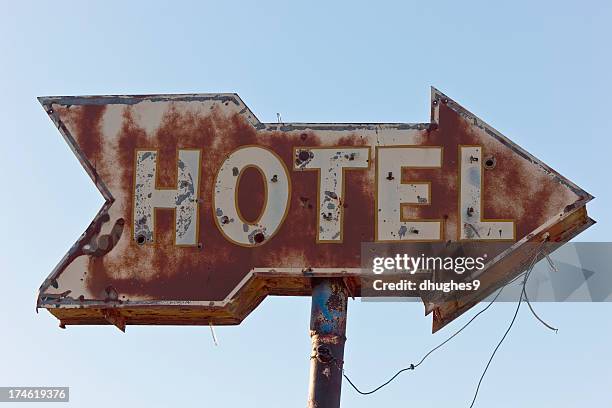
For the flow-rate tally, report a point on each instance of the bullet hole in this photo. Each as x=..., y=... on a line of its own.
x=140, y=239
x=470, y=211
x=235, y=171
x=274, y=178
x=327, y=216
x=390, y=176
x=324, y=354
x=259, y=238
x=225, y=220
x=490, y=163
x=303, y=155
x=200, y=245
x=331, y=195
x=473, y=159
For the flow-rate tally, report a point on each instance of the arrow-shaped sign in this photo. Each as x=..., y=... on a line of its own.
x=209, y=210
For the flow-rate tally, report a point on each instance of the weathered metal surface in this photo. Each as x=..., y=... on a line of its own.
x=208, y=210
x=328, y=335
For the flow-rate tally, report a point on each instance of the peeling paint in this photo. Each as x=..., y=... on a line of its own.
x=168, y=169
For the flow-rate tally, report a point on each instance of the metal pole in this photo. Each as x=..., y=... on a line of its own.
x=327, y=333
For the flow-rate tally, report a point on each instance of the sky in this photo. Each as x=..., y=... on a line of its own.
x=539, y=72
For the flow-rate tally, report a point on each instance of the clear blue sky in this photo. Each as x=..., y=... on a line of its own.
x=537, y=71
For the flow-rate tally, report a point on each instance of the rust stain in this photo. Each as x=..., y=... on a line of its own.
x=250, y=194
x=86, y=121
x=184, y=274
x=512, y=190
x=129, y=271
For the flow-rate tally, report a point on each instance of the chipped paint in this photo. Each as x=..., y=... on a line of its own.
x=330, y=164
x=232, y=210
x=183, y=199
x=328, y=335
x=229, y=219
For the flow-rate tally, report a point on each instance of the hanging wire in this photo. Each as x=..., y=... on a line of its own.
x=518, y=307
x=553, y=268
x=214, y=336
x=523, y=295
x=413, y=366
x=536, y=315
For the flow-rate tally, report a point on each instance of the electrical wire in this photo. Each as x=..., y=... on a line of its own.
x=518, y=307
x=554, y=269
x=413, y=366
x=523, y=295
x=536, y=315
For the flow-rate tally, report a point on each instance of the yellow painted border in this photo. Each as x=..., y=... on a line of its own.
x=318, y=171
x=265, y=203
x=155, y=209
x=402, y=181
x=459, y=209
x=287, y=205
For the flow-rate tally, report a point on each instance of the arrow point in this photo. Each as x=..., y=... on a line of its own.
x=437, y=94
x=42, y=100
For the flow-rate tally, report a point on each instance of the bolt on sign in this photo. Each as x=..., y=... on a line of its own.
x=208, y=210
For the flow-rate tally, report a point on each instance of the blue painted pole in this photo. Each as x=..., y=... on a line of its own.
x=328, y=335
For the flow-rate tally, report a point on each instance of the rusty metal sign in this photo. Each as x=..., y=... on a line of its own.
x=209, y=210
